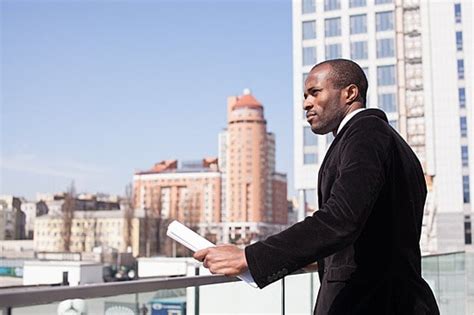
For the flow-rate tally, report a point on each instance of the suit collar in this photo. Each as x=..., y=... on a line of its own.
x=348, y=117
x=364, y=113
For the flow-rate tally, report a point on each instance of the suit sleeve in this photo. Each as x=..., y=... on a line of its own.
x=360, y=176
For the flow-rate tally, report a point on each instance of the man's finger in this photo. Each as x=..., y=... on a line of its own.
x=201, y=254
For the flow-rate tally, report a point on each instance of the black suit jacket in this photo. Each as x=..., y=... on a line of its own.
x=365, y=235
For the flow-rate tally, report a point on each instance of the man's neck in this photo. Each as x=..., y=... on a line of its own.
x=351, y=109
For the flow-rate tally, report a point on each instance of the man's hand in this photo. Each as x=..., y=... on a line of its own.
x=223, y=259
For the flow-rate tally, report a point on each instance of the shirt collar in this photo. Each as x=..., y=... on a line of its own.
x=348, y=117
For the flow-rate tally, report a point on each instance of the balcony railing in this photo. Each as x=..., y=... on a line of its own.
x=451, y=277
x=194, y=294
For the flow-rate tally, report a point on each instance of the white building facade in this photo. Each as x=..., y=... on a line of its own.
x=417, y=58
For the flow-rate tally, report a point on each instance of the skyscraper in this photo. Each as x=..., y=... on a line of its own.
x=254, y=194
x=250, y=161
x=415, y=65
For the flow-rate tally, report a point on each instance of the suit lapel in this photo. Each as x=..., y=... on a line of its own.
x=367, y=112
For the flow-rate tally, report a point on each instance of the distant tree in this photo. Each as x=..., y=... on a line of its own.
x=129, y=213
x=68, y=208
x=152, y=226
x=190, y=209
x=192, y=206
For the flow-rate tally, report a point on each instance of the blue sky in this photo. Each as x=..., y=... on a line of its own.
x=92, y=91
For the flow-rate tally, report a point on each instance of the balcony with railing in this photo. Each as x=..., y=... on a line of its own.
x=451, y=277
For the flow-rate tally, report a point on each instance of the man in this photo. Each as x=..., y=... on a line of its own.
x=371, y=192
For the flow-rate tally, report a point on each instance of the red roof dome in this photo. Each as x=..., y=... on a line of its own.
x=247, y=100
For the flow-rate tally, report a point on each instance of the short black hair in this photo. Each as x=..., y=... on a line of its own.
x=345, y=72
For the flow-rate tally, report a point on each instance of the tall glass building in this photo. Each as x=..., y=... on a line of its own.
x=417, y=56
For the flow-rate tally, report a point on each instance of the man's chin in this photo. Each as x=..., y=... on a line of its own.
x=319, y=130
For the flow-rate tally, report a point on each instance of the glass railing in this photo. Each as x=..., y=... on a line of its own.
x=208, y=294
x=451, y=277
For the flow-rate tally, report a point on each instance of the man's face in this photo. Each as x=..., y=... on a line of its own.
x=323, y=104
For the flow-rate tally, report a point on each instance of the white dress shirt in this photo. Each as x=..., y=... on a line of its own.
x=348, y=117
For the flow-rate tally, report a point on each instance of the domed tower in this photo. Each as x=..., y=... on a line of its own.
x=250, y=161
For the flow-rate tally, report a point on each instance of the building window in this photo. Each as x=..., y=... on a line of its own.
x=357, y=3
x=308, y=6
x=464, y=156
x=387, y=102
x=310, y=158
x=330, y=5
x=465, y=189
x=309, y=138
x=460, y=69
x=459, y=41
x=329, y=138
x=384, y=21
x=332, y=27
x=382, y=1
x=463, y=125
x=359, y=50
x=358, y=24
x=310, y=199
x=457, y=12
x=366, y=71
x=462, y=97
x=385, y=48
x=305, y=75
x=333, y=51
x=467, y=231
x=309, y=56
x=309, y=30
x=385, y=75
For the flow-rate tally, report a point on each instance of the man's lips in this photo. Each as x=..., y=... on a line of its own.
x=310, y=117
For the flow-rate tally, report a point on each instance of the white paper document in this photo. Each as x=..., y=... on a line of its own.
x=184, y=235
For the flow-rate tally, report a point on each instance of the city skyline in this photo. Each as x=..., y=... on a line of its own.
x=101, y=100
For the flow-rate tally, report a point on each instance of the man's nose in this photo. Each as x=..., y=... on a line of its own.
x=307, y=105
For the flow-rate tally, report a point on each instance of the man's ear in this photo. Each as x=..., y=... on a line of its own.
x=352, y=93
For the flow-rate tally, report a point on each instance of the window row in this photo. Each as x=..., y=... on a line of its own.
x=310, y=158
x=309, y=6
x=384, y=21
x=386, y=75
x=309, y=138
x=463, y=126
x=459, y=44
x=461, y=69
x=457, y=12
x=466, y=189
x=465, y=155
x=467, y=232
x=462, y=97
x=387, y=102
x=359, y=51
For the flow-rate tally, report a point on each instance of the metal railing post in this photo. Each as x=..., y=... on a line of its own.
x=196, y=293
x=311, y=293
x=283, y=296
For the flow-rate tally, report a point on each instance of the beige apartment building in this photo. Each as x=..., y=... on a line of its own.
x=189, y=193
x=107, y=230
